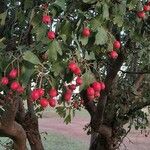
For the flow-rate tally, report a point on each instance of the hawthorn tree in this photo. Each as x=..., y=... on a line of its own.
x=73, y=54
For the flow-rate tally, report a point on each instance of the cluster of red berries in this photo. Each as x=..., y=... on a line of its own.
x=146, y=8
x=74, y=68
x=77, y=104
x=94, y=90
x=113, y=54
x=48, y=20
x=37, y=94
x=86, y=32
x=15, y=85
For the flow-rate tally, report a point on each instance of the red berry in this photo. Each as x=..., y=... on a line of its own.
x=96, y=86
x=52, y=102
x=15, y=85
x=77, y=71
x=97, y=94
x=86, y=32
x=20, y=89
x=117, y=44
x=79, y=81
x=72, y=87
x=148, y=3
x=41, y=91
x=113, y=54
x=75, y=105
x=67, y=95
x=52, y=92
x=90, y=91
x=146, y=8
x=13, y=73
x=44, y=102
x=141, y=14
x=4, y=81
x=72, y=66
x=51, y=35
x=46, y=19
x=35, y=94
x=102, y=85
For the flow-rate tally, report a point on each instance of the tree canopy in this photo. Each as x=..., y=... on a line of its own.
x=77, y=54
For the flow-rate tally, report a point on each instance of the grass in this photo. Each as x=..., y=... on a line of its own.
x=55, y=141
x=52, y=113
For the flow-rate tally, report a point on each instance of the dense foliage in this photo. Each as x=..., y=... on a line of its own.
x=64, y=52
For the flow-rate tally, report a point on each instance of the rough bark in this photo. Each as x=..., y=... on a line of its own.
x=18, y=125
x=32, y=131
x=100, y=143
x=16, y=133
x=101, y=140
x=9, y=127
x=31, y=127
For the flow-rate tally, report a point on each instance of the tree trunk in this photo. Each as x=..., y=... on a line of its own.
x=32, y=131
x=35, y=144
x=16, y=133
x=99, y=142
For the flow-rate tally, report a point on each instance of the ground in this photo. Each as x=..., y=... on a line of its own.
x=73, y=137
x=52, y=124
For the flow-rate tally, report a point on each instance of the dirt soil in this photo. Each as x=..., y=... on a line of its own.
x=134, y=141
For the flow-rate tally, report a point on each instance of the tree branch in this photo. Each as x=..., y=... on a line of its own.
x=134, y=72
x=89, y=105
x=138, y=107
x=11, y=108
x=16, y=133
x=111, y=75
x=9, y=127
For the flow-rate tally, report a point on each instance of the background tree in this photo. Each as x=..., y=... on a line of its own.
x=49, y=48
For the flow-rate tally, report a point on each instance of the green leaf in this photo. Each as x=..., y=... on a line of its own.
x=89, y=1
x=118, y=20
x=95, y=23
x=90, y=56
x=68, y=119
x=58, y=68
x=26, y=73
x=61, y=111
x=28, y=4
x=101, y=36
x=40, y=32
x=57, y=45
x=53, y=49
x=36, y=19
x=31, y=57
x=61, y=4
x=105, y=11
x=3, y=18
x=20, y=16
x=2, y=45
x=88, y=78
x=66, y=29
x=132, y=4
x=83, y=40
